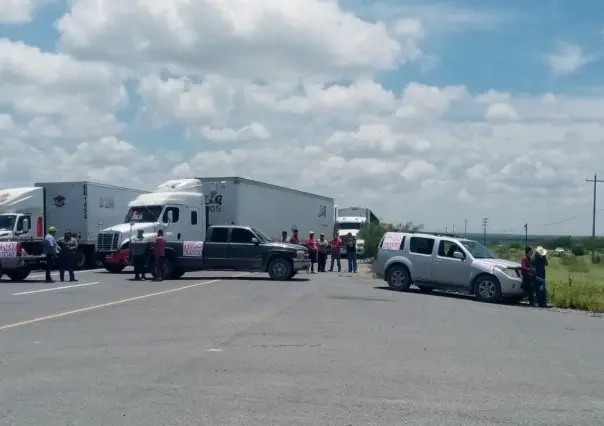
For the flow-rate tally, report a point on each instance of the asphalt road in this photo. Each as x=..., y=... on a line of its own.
x=223, y=349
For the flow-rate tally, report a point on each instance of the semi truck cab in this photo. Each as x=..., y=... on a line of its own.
x=177, y=206
x=18, y=206
x=353, y=226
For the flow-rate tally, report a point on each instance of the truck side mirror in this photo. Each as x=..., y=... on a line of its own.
x=255, y=240
x=170, y=216
x=458, y=255
x=25, y=225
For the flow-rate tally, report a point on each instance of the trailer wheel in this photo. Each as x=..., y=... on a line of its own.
x=18, y=274
x=280, y=269
x=81, y=259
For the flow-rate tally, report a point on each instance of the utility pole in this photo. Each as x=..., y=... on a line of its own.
x=453, y=229
x=465, y=227
x=595, y=181
x=446, y=230
x=525, y=235
x=485, y=223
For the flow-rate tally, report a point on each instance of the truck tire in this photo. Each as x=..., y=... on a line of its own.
x=169, y=271
x=178, y=273
x=293, y=274
x=280, y=269
x=18, y=274
x=113, y=269
x=81, y=260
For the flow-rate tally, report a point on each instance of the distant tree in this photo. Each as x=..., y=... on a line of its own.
x=578, y=250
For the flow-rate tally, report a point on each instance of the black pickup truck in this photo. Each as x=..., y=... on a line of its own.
x=235, y=248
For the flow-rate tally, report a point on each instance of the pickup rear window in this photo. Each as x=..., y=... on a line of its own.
x=219, y=235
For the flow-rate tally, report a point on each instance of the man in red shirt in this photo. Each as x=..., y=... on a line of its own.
x=159, y=253
x=528, y=275
x=294, y=239
x=311, y=243
x=336, y=245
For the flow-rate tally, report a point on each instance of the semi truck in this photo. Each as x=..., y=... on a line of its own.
x=194, y=204
x=350, y=220
x=81, y=207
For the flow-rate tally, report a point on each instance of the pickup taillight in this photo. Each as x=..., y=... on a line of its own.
x=18, y=249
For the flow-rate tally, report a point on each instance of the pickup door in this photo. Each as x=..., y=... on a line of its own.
x=215, y=248
x=243, y=253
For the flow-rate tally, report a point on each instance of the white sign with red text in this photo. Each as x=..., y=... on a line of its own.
x=192, y=249
x=392, y=241
x=8, y=250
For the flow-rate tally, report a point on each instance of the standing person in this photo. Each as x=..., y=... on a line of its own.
x=138, y=248
x=284, y=238
x=159, y=252
x=50, y=251
x=528, y=275
x=540, y=262
x=68, y=246
x=311, y=244
x=336, y=246
x=322, y=245
x=351, y=253
x=295, y=239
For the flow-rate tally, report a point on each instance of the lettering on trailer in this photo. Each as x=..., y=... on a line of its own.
x=214, y=202
x=59, y=201
x=192, y=249
x=8, y=250
x=322, y=211
x=85, y=193
x=3, y=198
x=106, y=203
x=392, y=241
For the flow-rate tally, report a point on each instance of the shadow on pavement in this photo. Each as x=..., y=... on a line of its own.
x=441, y=293
x=240, y=278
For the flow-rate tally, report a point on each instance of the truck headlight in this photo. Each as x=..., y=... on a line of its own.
x=300, y=254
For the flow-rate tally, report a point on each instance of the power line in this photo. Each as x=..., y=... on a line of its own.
x=593, y=223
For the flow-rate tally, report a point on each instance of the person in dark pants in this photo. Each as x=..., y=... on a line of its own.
x=528, y=275
x=138, y=247
x=159, y=252
x=540, y=262
x=351, y=253
x=50, y=251
x=322, y=245
x=311, y=244
x=68, y=246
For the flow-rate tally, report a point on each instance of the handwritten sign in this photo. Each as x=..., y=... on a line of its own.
x=192, y=249
x=392, y=241
x=8, y=250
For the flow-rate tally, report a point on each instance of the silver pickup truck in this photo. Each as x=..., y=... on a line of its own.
x=449, y=263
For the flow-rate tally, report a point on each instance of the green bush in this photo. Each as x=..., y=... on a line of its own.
x=578, y=250
x=576, y=293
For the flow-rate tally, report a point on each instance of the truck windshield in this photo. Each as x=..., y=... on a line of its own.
x=477, y=250
x=354, y=225
x=7, y=222
x=263, y=237
x=143, y=214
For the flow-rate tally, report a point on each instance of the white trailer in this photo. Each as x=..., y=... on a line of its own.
x=186, y=207
x=271, y=208
x=80, y=207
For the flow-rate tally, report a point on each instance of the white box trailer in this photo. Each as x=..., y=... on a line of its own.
x=80, y=207
x=271, y=208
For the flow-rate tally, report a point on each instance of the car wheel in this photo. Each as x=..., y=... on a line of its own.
x=487, y=289
x=18, y=274
x=425, y=289
x=280, y=269
x=399, y=278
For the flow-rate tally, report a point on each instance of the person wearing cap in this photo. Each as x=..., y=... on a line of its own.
x=68, y=246
x=528, y=275
x=311, y=244
x=351, y=253
x=138, y=247
x=322, y=245
x=50, y=251
x=540, y=262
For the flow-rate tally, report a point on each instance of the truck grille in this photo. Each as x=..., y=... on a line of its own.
x=107, y=242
